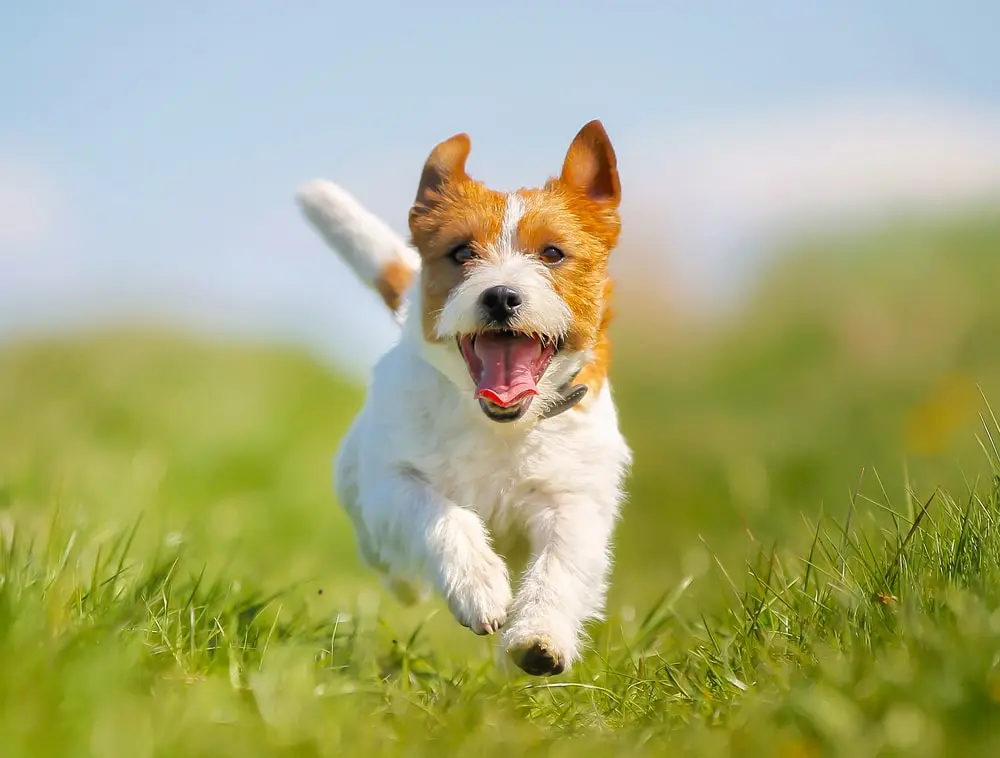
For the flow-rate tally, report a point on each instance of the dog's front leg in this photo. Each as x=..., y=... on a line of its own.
x=564, y=585
x=418, y=528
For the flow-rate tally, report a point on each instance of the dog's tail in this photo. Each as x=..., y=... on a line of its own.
x=379, y=256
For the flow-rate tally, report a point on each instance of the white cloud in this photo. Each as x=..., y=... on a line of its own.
x=714, y=190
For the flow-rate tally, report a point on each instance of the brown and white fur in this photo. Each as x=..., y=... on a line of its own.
x=473, y=437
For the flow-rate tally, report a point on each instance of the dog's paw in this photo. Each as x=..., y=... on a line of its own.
x=538, y=649
x=480, y=596
x=538, y=657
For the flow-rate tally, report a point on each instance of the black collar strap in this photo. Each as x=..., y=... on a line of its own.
x=569, y=395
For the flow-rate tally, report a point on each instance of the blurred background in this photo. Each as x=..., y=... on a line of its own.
x=807, y=274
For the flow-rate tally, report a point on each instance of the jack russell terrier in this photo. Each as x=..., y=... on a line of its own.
x=489, y=428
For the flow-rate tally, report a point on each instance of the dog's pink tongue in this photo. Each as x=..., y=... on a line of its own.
x=508, y=368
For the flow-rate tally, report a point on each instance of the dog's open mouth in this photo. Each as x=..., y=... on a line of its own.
x=506, y=367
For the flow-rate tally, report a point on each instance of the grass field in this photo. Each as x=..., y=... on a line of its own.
x=809, y=564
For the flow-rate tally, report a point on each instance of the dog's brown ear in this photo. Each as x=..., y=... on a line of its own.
x=591, y=166
x=445, y=164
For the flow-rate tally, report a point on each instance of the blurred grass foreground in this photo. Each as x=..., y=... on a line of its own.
x=809, y=563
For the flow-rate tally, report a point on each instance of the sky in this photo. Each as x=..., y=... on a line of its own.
x=149, y=153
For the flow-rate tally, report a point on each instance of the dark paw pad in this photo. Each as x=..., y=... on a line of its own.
x=538, y=660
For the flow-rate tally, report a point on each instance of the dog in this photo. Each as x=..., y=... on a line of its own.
x=489, y=428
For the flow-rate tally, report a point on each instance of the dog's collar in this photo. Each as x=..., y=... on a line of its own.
x=569, y=395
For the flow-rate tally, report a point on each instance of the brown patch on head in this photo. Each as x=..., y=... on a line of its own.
x=450, y=210
x=464, y=213
x=557, y=217
x=392, y=282
x=577, y=213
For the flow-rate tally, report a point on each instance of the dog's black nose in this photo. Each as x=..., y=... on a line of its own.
x=500, y=302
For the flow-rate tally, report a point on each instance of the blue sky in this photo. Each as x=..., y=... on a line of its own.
x=169, y=138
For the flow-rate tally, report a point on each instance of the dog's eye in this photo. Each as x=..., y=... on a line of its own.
x=551, y=255
x=461, y=253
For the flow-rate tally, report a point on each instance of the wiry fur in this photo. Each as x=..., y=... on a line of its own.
x=437, y=492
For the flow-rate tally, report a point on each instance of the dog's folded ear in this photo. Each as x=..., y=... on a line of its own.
x=445, y=164
x=591, y=166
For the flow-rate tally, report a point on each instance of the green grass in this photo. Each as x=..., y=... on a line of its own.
x=809, y=564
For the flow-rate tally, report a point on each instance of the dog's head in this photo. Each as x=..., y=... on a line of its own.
x=515, y=285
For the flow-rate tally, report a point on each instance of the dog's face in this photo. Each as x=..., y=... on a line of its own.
x=516, y=283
